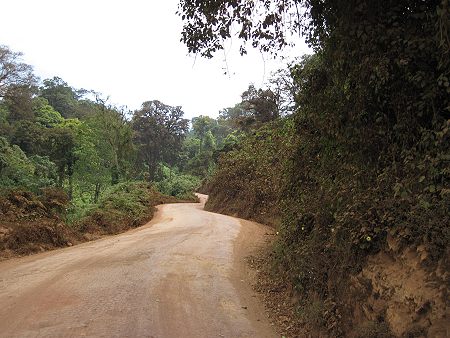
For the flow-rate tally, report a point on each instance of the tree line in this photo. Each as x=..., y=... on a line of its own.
x=55, y=135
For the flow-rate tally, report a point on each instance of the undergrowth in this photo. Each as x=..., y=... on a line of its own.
x=37, y=222
x=123, y=206
x=369, y=158
x=249, y=179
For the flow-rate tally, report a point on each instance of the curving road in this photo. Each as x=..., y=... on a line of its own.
x=181, y=275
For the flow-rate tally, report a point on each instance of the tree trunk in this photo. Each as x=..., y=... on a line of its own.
x=115, y=170
x=97, y=192
x=70, y=193
x=61, y=172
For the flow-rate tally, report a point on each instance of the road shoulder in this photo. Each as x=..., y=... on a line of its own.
x=252, y=238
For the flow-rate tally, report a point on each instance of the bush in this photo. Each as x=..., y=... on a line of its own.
x=123, y=206
x=181, y=186
x=19, y=171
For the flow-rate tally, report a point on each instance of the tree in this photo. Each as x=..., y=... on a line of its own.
x=18, y=170
x=19, y=102
x=261, y=103
x=60, y=96
x=5, y=127
x=13, y=72
x=263, y=23
x=30, y=137
x=15, y=168
x=159, y=130
x=94, y=161
x=60, y=143
x=281, y=84
x=257, y=106
x=202, y=125
x=45, y=115
x=114, y=139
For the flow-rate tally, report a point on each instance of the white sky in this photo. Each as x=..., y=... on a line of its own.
x=129, y=50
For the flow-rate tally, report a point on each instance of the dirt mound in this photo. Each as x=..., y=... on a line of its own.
x=30, y=223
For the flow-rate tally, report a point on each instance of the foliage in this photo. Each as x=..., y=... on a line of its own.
x=92, y=169
x=45, y=174
x=45, y=114
x=19, y=102
x=373, y=150
x=261, y=103
x=122, y=206
x=17, y=170
x=159, y=132
x=173, y=183
x=373, y=132
x=113, y=138
x=13, y=72
x=201, y=125
x=248, y=181
x=207, y=25
x=198, y=153
x=127, y=198
x=61, y=145
x=257, y=107
x=60, y=96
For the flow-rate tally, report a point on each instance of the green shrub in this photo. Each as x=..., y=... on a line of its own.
x=122, y=206
x=173, y=183
x=19, y=171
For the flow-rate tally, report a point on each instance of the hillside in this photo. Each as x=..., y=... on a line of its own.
x=360, y=190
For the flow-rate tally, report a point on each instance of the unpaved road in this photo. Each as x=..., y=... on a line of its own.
x=181, y=275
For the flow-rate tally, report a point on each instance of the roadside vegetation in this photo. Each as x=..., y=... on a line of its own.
x=32, y=223
x=359, y=185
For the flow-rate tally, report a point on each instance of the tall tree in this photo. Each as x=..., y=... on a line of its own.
x=45, y=114
x=61, y=150
x=19, y=101
x=92, y=169
x=114, y=138
x=159, y=132
x=201, y=125
x=261, y=103
x=60, y=96
x=13, y=72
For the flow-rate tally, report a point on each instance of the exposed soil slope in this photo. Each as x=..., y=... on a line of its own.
x=30, y=224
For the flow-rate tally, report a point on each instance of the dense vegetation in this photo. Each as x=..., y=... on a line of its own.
x=104, y=164
x=369, y=157
x=250, y=179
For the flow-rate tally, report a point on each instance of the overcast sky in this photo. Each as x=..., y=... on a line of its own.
x=130, y=51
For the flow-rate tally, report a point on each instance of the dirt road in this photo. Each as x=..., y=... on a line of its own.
x=181, y=275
